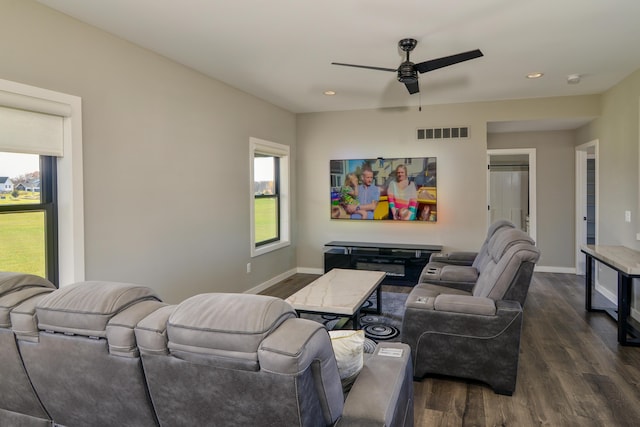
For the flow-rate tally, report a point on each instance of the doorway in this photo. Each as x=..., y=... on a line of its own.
x=586, y=200
x=511, y=187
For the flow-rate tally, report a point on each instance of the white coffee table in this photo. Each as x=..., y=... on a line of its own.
x=339, y=292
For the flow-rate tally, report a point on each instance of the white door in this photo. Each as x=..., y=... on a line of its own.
x=509, y=195
x=511, y=187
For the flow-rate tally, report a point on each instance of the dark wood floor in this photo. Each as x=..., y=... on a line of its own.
x=572, y=371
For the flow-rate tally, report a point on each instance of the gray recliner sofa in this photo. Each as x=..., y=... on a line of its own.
x=474, y=334
x=246, y=360
x=19, y=404
x=113, y=354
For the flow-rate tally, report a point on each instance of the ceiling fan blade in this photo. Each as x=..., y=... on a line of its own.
x=413, y=87
x=445, y=61
x=366, y=66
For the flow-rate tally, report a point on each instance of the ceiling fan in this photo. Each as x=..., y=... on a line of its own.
x=408, y=71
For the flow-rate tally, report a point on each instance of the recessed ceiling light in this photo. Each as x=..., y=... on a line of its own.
x=534, y=75
x=329, y=92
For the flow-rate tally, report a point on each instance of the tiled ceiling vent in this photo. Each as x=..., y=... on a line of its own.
x=444, y=133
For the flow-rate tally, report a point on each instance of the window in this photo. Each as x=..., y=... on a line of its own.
x=28, y=214
x=269, y=165
x=48, y=126
x=266, y=194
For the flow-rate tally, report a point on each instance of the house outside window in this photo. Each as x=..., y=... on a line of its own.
x=269, y=205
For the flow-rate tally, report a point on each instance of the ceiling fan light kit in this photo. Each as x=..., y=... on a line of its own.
x=408, y=71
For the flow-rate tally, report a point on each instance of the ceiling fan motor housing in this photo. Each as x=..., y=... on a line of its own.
x=407, y=73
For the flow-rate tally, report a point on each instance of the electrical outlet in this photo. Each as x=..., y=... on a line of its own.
x=627, y=216
x=248, y=267
x=637, y=236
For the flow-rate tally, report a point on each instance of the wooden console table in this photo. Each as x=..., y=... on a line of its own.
x=402, y=263
x=626, y=262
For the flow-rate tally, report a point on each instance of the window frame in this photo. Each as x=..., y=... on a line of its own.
x=69, y=174
x=272, y=149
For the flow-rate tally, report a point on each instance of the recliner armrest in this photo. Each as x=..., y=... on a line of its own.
x=301, y=344
x=454, y=258
x=382, y=395
x=449, y=273
x=465, y=304
x=151, y=332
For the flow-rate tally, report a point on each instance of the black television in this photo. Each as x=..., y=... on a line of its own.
x=384, y=189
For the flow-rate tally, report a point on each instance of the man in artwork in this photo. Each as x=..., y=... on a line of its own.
x=368, y=197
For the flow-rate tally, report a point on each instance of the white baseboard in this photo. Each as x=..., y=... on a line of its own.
x=308, y=270
x=610, y=296
x=550, y=269
x=280, y=277
x=613, y=298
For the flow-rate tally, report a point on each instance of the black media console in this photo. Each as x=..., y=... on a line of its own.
x=403, y=263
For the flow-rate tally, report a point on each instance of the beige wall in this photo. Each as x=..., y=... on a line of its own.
x=618, y=133
x=555, y=184
x=166, y=155
x=462, y=201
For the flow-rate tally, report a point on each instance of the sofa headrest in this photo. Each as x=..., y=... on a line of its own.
x=498, y=277
x=86, y=308
x=11, y=282
x=501, y=223
x=227, y=328
x=505, y=239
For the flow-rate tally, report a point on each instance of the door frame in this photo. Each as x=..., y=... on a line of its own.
x=531, y=153
x=583, y=152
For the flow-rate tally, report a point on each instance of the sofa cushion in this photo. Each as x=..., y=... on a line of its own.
x=86, y=308
x=226, y=328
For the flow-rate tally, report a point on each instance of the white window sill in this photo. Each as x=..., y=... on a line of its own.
x=269, y=248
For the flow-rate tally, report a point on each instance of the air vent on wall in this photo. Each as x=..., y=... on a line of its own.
x=443, y=133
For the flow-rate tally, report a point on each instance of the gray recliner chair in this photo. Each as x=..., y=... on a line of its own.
x=78, y=346
x=243, y=360
x=19, y=404
x=474, y=335
x=460, y=270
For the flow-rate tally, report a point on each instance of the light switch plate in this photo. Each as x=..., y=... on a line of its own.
x=627, y=216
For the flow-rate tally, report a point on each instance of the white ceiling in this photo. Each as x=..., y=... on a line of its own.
x=281, y=50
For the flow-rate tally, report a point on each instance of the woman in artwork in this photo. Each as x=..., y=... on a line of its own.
x=403, y=196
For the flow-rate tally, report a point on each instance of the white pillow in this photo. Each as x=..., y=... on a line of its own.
x=348, y=347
